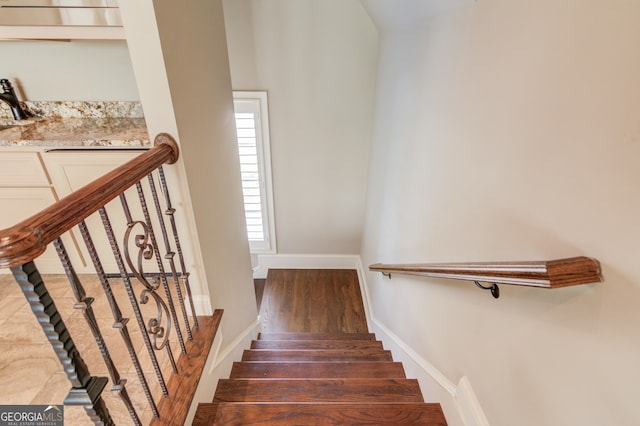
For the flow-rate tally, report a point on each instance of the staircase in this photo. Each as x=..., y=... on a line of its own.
x=318, y=378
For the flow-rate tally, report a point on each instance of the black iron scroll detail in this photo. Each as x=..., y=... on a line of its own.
x=158, y=328
x=162, y=277
x=124, y=275
x=169, y=255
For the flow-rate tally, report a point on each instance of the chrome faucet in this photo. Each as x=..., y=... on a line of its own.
x=8, y=96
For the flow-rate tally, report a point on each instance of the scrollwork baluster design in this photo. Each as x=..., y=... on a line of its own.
x=120, y=323
x=132, y=298
x=174, y=230
x=169, y=256
x=145, y=244
x=163, y=275
x=86, y=390
x=159, y=333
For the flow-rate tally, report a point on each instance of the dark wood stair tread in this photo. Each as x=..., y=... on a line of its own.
x=316, y=363
x=316, y=344
x=233, y=413
x=317, y=355
x=318, y=370
x=316, y=336
x=318, y=390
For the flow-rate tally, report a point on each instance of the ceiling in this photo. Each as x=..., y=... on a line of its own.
x=394, y=13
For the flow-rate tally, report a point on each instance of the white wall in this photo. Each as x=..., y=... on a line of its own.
x=69, y=71
x=179, y=55
x=509, y=130
x=317, y=60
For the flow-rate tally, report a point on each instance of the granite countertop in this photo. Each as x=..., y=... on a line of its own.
x=76, y=124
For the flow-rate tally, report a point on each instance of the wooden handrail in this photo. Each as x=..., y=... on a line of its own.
x=545, y=273
x=28, y=239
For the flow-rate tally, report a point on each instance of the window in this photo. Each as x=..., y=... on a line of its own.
x=252, y=123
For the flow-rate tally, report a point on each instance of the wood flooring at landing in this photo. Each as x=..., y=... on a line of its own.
x=313, y=301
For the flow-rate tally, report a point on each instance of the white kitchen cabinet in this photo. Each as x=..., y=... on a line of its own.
x=64, y=19
x=24, y=191
x=26, y=32
x=70, y=170
x=22, y=169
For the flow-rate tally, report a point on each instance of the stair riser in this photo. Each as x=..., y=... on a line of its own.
x=318, y=370
x=316, y=336
x=316, y=355
x=316, y=344
x=304, y=390
x=325, y=414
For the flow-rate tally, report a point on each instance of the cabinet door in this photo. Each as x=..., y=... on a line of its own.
x=22, y=169
x=71, y=170
x=21, y=203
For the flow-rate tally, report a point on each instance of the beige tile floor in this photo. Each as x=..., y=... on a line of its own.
x=29, y=370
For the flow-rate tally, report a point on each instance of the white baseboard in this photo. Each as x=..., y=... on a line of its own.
x=425, y=365
x=465, y=400
x=462, y=395
x=468, y=404
x=219, y=364
x=364, y=290
x=304, y=261
x=202, y=304
x=248, y=334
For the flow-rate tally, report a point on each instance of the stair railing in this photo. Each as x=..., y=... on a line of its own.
x=166, y=289
x=544, y=274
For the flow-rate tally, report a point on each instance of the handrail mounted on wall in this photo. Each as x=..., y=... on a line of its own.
x=545, y=273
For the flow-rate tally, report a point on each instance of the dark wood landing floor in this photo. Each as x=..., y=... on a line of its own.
x=312, y=301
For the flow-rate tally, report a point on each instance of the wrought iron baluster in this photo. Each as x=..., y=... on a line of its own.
x=132, y=297
x=170, y=255
x=146, y=251
x=163, y=276
x=120, y=323
x=86, y=389
x=174, y=230
x=85, y=303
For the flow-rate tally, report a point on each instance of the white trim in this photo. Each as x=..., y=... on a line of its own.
x=465, y=399
x=202, y=304
x=425, y=365
x=468, y=404
x=364, y=289
x=218, y=364
x=429, y=368
x=247, y=99
x=251, y=331
x=60, y=32
x=305, y=261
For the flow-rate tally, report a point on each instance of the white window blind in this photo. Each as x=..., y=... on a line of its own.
x=255, y=167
